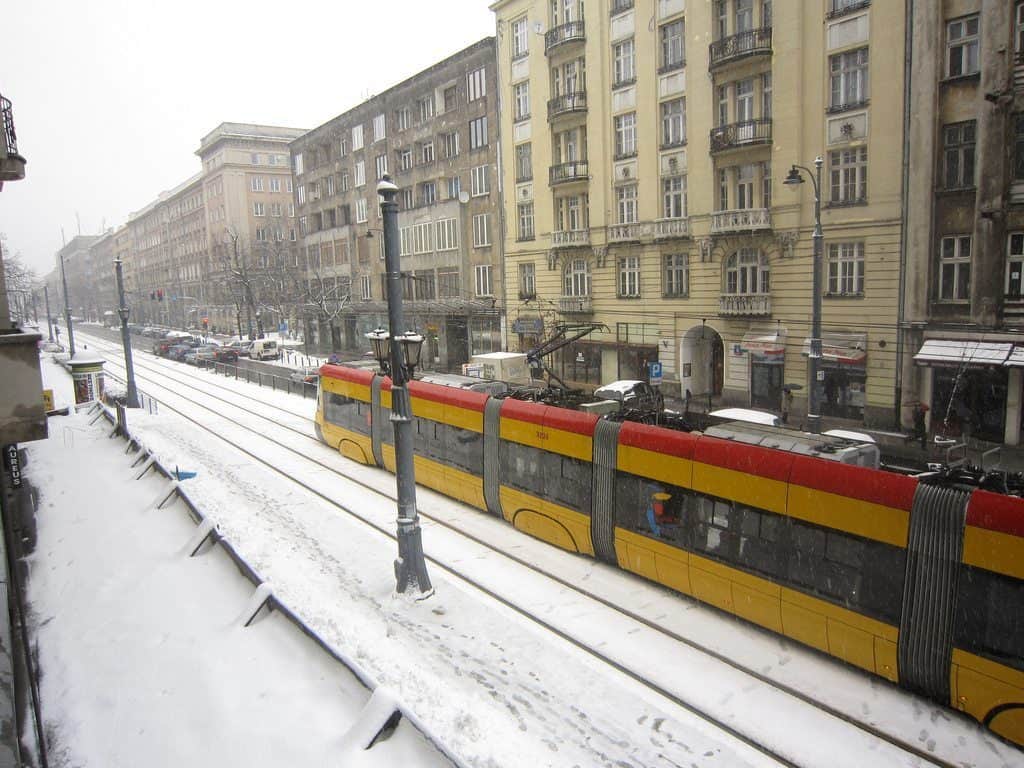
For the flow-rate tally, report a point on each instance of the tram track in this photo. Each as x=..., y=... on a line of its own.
x=895, y=741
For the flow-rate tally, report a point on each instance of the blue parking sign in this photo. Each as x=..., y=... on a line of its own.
x=654, y=373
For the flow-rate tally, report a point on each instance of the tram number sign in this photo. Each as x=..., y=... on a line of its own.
x=654, y=373
x=12, y=464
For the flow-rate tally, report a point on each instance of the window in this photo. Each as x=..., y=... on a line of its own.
x=673, y=123
x=478, y=133
x=744, y=100
x=291, y=210
x=451, y=144
x=527, y=281
x=425, y=108
x=343, y=146
x=745, y=186
x=848, y=170
x=255, y=159
x=744, y=15
x=625, y=135
x=428, y=193
x=404, y=159
x=524, y=162
x=482, y=273
x=677, y=274
x=479, y=181
x=1015, y=265
x=629, y=276
x=298, y=165
x=345, y=181
x=766, y=184
x=261, y=234
x=448, y=282
x=360, y=173
x=625, y=198
x=962, y=47
x=365, y=287
x=427, y=152
x=382, y=166
x=520, y=38
x=623, y=63
x=275, y=184
x=287, y=185
x=570, y=213
x=450, y=95
x=958, y=155
x=454, y=187
x=257, y=184
x=766, y=95
x=447, y=234
x=361, y=210
x=577, y=278
x=521, y=101
x=1018, y=146
x=481, y=230
x=476, y=85
x=379, y=130
x=357, y=137
x=672, y=53
x=275, y=209
x=407, y=199
x=524, y=229
x=955, y=268
x=846, y=269
x=258, y=209
x=673, y=189
x=849, y=78
x=403, y=118
x=745, y=273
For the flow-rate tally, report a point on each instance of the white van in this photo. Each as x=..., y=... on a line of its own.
x=264, y=349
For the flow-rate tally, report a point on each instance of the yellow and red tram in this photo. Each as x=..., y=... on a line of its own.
x=921, y=584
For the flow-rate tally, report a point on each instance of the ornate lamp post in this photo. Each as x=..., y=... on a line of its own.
x=122, y=312
x=400, y=363
x=814, y=358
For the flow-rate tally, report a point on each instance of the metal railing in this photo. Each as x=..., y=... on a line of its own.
x=564, y=33
x=741, y=134
x=744, y=304
x=753, y=41
x=566, y=237
x=10, y=140
x=741, y=220
x=581, y=305
x=574, y=170
x=566, y=103
x=618, y=6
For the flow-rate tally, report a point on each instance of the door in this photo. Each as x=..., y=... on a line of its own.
x=765, y=384
x=350, y=332
x=457, y=343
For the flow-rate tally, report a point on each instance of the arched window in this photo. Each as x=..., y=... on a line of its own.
x=746, y=272
x=577, y=278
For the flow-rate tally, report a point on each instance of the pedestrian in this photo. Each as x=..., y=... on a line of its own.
x=686, y=402
x=787, y=404
x=920, y=432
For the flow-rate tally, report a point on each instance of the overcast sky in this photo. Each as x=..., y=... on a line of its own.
x=111, y=97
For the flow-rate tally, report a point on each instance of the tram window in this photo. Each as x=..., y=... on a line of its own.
x=521, y=467
x=634, y=511
x=713, y=533
x=808, y=551
x=387, y=429
x=844, y=549
x=881, y=589
x=759, y=548
x=465, y=449
x=568, y=482
x=989, y=620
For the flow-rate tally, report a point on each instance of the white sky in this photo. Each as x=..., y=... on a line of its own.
x=111, y=97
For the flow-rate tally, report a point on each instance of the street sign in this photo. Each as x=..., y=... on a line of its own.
x=654, y=373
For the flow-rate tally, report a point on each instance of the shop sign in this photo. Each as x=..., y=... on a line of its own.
x=12, y=464
x=528, y=325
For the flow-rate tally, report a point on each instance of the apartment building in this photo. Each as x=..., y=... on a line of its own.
x=644, y=146
x=435, y=134
x=80, y=278
x=964, y=345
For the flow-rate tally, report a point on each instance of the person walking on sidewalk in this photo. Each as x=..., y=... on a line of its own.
x=920, y=432
x=787, y=404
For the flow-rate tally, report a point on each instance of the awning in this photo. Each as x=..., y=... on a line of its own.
x=841, y=348
x=962, y=353
x=765, y=343
x=1016, y=358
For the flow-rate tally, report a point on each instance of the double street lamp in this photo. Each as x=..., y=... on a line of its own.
x=398, y=356
x=122, y=312
x=814, y=358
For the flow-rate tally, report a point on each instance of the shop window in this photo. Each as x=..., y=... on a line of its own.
x=969, y=403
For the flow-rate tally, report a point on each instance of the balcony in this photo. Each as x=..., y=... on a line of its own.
x=574, y=170
x=664, y=228
x=742, y=220
x=575, y=305
x=748, y=304
x=567, y=103
x=623, y=233
x=570, y=32
x=746, y=133
x=569, y=238
x=619, y=6
x=12, y=165
x=750, y=43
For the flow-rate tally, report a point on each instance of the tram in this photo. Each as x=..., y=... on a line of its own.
x=915, y=580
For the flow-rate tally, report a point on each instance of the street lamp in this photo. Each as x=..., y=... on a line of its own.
x=122, y=312
x=410, y=567
x=814, y=358
x=379, y=338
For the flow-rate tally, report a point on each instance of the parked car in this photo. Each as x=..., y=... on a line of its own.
x=200, y=355
x=264, y=349
x=162, y=347
x=240, y=346
x=178, y=351
x=225, y=354
x=632, y=394
x=309, y=375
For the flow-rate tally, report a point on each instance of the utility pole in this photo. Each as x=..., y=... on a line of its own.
x=122, y=311
x=67, y=306
x=49, y=317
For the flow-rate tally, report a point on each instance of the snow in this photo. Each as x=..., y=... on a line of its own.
x=135, y=634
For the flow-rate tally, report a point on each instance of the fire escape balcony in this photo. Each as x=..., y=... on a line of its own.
x=745, y=133
x=745, y=304
x=750, y=43
x=12, y=165
x=741, y=220
x=567, y=103
x=574, y=170
x=570, y=32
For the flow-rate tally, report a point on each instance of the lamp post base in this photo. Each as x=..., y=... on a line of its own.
x=410, y=567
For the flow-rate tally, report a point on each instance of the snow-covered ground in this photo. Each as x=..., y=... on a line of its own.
x=118, y=603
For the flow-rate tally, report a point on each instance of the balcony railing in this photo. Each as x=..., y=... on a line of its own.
x=749, y=43
x=618, y=6
x=745, y=304
x=742, y=134
x=12, y=165
x=742, y=220
x=575, y=305
x=623, y=233
x=569, y=32
x=570, y=237
x=672, y=228
x=567, y=102
x=574, y=170
x=842, y=7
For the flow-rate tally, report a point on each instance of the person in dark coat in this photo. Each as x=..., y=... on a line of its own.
x=920, y=432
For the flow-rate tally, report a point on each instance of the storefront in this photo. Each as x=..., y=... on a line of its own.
x=767, y=350
x=843, y=366
x=969, y=386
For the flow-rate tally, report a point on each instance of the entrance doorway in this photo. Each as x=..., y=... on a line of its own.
x=765, y=383
x=702, y=362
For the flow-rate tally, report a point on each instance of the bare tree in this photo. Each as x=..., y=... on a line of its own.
x=277, y=276
x=20, y=281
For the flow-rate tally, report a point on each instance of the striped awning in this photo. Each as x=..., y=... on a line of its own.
x=959, y=352
x=1016, y=358
x=841, y=348
x=767, y=343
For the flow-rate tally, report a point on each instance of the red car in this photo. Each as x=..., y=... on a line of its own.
x=225, y=355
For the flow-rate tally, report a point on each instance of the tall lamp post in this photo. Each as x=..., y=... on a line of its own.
x=398, y=356
x=67, y=307
x=122, y=312
x=814, y=358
